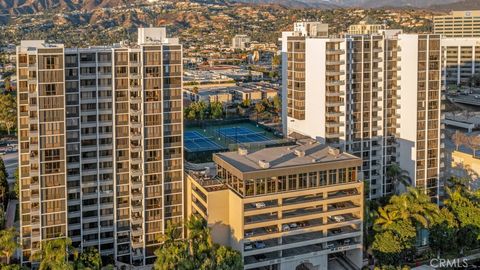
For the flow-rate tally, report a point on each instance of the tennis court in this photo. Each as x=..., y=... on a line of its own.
x=242, y=135
x=194, y=141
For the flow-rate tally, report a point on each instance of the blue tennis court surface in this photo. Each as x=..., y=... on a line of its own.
x=242, y=135
x=194, y=141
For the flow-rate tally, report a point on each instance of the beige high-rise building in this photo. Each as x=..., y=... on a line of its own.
x=458, y=24
x=101, y=148
x=296, y=207
x=359, y=93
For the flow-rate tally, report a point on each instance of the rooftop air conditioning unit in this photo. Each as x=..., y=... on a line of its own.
x=242, y=151
x=299, y=153
x=264, y=164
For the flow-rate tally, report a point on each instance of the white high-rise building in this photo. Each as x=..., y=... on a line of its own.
x=348, y=92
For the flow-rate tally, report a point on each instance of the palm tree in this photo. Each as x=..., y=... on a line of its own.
x=416, y=206
x=8, y=243
x=385, y=218
x=54, y=254
x=398, y=176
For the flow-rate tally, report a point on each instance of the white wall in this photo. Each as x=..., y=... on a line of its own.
x=408, y=102
x=284, y=81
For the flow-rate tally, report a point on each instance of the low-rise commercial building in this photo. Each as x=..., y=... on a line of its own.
x=283, y=207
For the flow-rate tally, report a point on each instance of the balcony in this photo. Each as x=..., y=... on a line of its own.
x=335, y=83
x=334, y=114
x=335, y=62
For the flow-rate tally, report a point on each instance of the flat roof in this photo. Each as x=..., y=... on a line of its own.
x=284, y=157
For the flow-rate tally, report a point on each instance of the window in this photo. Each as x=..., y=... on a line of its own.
x=332, y=177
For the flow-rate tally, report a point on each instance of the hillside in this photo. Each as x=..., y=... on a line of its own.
x=18, y=7
x=462, y=5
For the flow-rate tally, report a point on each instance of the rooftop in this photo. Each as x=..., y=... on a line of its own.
x=283, y=157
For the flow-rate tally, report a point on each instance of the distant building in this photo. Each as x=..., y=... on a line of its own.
x=240, y=42
x=311, y=29
x=208, y=96
x=242, y=94
x=253, y=91
x=464, y=165
x=458, y=24
x=461, y=59
x=365, y=29
x=283, y=208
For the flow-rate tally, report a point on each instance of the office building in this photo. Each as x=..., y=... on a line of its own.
x=240, y=42
x=461, y=60
x=355, y=93
x=458, y=24
x=283, y=207
x=101, y=148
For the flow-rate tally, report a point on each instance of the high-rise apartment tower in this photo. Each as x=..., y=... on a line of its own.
x=101, y=148
x=360, y=93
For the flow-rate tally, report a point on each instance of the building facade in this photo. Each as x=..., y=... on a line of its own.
x=347, y=92
x=461, y=60
x=283, y=207
x=458, y=24
x=101, y=148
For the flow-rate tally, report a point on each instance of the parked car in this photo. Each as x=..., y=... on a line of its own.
x=303, y=224
x=346, y=242
x=330, y=245
x=293, y=226
x=260, y=244
x=248, y=234
x=260, y=205
x=337, y=218
x=336, y=231
x=285, y=228
x=248, y=246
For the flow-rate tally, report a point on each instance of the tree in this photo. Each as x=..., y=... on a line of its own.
x=216, y=110
x=473, y=143
x=442, y=236
x=277, y=104
x=385, y=218
x=89, y=258
x=197, y=251
x=398, y=176
x=8, y=243
x=54, y=254
x=8, y=113
x=16, y=187
x=464, y=205
x=259, y=107
x=3, y=183
x=458, y=139
x=246, y=103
